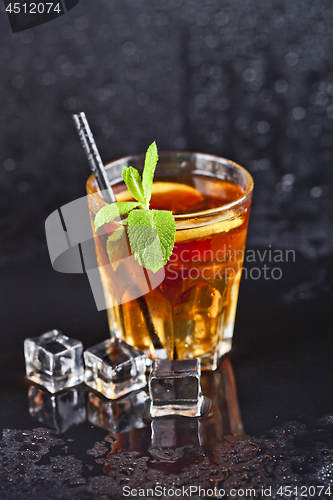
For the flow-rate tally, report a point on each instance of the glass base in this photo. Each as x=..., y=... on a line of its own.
x=211, y=360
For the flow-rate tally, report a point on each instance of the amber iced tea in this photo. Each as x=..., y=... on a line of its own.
x=192, y=311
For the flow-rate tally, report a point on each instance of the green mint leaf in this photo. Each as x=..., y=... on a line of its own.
x=113, y=211
x=117, y=234
x=117, y=250
x=152, y=235
x=148, y=171
x=165, y=226
x=133, y=182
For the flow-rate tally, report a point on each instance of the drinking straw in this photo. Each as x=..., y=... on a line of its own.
x=149, y=322
x=97, y=167
x=93, y=156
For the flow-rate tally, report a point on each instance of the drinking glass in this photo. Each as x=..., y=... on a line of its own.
x=187, y=309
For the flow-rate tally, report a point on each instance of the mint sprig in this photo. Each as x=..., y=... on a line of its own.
x=113, y=211
x=133, y=181
x=149, y=170
x=151, y=233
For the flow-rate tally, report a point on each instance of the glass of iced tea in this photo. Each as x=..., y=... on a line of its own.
x=191, y=313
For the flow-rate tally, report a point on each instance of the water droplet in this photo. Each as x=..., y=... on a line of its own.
x=200, y=100
x=142, y=98
x=298, y=113
x=202, y=18
x=129, y=48
x=49, y=78
x=51, y=37
x=291, y=132
x=222, y=104
x=80, y=71
x=23, y=186
x=9, y=165
x=72, y=103
x=316, y=192
x=81, y=23
x=292, y=59
x=281, y=86
x=263, y=127
x=18, y=81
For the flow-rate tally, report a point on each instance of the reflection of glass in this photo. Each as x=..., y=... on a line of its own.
x=121, y=415
x=224, y=416
x=172, y=443
x=58, y=411
x=193, y=309
x=173, y=438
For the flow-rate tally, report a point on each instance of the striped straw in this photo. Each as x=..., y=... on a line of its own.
x=93, y=156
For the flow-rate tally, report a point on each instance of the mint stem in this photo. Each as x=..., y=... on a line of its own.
x=142, y=303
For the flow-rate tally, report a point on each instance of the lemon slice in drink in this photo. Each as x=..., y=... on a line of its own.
x=169, y=196
x=207, y=229
x=180, y=197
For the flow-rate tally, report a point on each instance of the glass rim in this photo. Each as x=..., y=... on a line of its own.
x=204, y=213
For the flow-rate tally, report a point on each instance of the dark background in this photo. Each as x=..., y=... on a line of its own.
x=248, y=80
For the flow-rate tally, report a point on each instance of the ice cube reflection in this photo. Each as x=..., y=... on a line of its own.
x=173, y=438
x=121, y=415
x=172, y=443
x=57, y=411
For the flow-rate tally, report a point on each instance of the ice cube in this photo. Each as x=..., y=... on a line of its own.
x=115, y=368
x=174, y=387
x=197, y=314
x=58, y=411
x=121, y=415
x=54, y=361
x=173, y=438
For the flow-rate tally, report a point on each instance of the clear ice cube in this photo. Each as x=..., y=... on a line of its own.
x=121, y=415
x=58, y=411
x=115, y=368
x=197, y=314
x=54, y=361
x=174, y=387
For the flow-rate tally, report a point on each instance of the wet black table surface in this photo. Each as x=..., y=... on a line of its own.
x=270, y=423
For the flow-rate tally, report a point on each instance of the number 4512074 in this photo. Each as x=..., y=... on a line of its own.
x=33, y=8
x=304, y=491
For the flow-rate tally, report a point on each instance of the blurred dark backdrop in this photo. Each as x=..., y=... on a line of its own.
x=248, y=80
